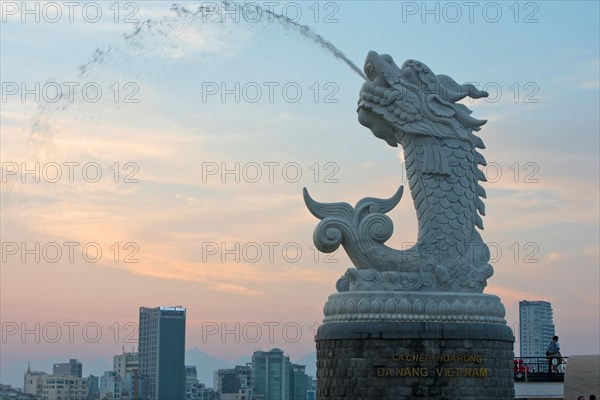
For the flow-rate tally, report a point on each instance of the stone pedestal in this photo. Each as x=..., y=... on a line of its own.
x=404, y=352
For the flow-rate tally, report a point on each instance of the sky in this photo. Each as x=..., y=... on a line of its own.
x=170, y=171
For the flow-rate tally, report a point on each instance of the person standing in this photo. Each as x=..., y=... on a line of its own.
x=553, y=352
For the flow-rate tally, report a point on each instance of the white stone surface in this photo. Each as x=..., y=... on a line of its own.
x=384, y=306
x=417, y=109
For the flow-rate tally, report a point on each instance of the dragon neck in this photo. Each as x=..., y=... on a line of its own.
x=443, y=183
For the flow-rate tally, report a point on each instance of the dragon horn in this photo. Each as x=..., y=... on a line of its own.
x=473, y=92
x=453, y=92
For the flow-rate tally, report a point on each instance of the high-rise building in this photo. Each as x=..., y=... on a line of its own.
x=206, y=393
x=234, y=383
x=93, y=384
x=72, y=368
x=126, y=366
x=301, y=382
x=536, y=327
x=191, y=382
x=126, y=362
x=272, y=375
x=227, y=384
x=162, y=352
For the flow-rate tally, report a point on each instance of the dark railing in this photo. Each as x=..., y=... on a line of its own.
x=539, y=369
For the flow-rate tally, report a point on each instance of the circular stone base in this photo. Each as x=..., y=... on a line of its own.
x=412, y=360
x=355, y=306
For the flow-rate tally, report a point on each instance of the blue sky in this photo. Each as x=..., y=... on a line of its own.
x=542, y=134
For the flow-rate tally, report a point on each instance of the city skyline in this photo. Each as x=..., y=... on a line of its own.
x=199, y=201
x=269, y=375
x=120, y=361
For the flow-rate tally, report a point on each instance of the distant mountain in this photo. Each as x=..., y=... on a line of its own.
x=206, y=364
x=310, y=361
x=243, y=360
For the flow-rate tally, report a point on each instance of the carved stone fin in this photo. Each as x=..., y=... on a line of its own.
x=323, y=210
x=383, y=205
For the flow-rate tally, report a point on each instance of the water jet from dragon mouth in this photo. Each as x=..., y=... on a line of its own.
x=318, y=39
x=171, y=37
x=309, y=34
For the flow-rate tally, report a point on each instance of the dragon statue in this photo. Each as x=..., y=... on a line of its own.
x=428, y=299
x=417, y=109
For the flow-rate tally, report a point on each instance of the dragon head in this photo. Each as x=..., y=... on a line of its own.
x=413, y=100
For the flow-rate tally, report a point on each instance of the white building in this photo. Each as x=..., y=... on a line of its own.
x=126, y=366
x=536, y=327
x=126, y=362
x=58, y=387
x=110, y=385
x=64, y=388
x=33, y=382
